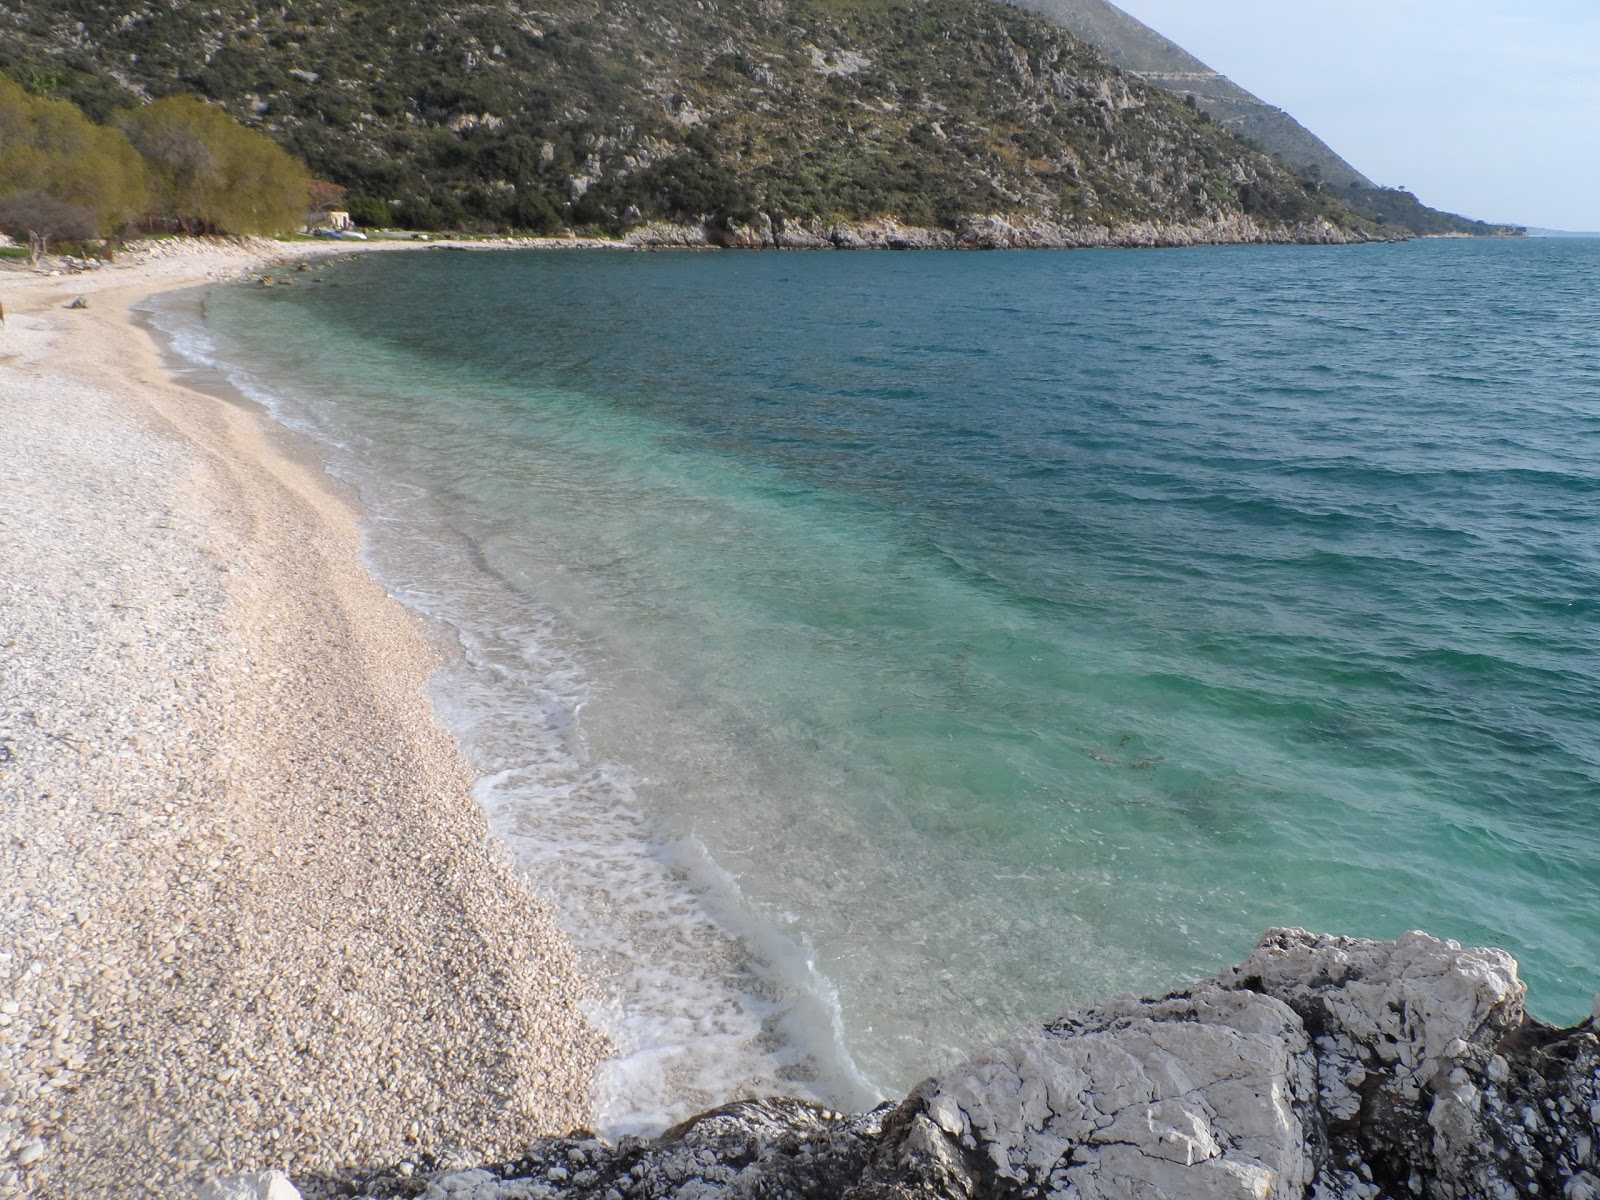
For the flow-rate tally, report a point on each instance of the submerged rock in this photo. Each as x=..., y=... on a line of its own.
x=1320, y=1068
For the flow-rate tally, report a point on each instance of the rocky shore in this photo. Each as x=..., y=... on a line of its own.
x=1320, y=1068
x=984, y=233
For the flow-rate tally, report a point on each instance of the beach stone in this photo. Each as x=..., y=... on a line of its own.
x=464, y=1181
x=251, y=1185
x=30, y=1152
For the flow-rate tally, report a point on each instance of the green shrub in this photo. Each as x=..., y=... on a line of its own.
x=211, y=174
x=370, y=213
x=76, y=173
x=535, y=212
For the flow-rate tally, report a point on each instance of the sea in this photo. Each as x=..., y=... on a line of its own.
x=868, y=653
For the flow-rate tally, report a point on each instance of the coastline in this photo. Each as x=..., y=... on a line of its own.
x=254, y=917
x=145, y=527
x=764, y=232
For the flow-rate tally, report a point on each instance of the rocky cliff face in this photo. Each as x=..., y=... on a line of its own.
x=1156, y=60
x=1320, y=1068
x=1138, y=49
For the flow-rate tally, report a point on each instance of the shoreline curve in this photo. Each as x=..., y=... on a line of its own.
x=254, y=917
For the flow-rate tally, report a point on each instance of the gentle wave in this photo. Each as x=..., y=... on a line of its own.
x=702, y=999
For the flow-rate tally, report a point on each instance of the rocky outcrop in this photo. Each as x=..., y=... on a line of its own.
x=1159, y=62
x=666, y=235
x=764, y=232
x=1143, y=52
x=1320, y=1068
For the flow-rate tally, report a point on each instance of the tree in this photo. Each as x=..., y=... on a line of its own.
x=324, y=197
x=211, y=174
x=371, y=213
x=39, y=217
x=49, y=151
x=535, y=212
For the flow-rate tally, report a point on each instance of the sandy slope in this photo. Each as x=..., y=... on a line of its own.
x=248, y=912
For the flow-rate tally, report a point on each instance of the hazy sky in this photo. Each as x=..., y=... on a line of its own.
x=1489, y=108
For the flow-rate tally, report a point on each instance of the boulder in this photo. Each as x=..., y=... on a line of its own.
x=1320, y=1068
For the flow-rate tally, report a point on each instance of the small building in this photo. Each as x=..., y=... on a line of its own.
x=340, y=220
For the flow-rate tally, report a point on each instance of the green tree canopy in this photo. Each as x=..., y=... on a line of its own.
x=213, y=175
x=53, y=154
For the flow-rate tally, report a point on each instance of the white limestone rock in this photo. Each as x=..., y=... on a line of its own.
x=1190, y=1096
x=251, y=1185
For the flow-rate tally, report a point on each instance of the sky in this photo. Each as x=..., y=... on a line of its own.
x=1488, y=108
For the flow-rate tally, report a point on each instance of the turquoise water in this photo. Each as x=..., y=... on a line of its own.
x=873, y=652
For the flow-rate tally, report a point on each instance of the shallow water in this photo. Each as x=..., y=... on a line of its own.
x=870, y=652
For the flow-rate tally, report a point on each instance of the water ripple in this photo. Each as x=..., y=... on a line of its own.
x=992, y=632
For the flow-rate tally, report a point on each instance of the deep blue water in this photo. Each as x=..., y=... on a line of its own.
x=871, y=652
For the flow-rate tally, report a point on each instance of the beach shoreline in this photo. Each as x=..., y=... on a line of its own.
x=254, y=918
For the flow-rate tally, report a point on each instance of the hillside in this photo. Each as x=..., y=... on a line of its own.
x=496, y=116
x=1155, y=59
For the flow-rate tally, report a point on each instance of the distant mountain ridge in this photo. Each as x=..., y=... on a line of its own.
x=1563, y=233
x=1158, y=60
x=1144, y=52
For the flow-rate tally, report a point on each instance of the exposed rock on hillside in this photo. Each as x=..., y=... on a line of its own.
x=1158, y=61
x=1142, y=51
x=1320, y=1068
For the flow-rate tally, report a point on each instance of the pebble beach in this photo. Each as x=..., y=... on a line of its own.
x=250, y=916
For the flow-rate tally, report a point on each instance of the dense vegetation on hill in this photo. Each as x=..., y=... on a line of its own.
x=176, y=160
x=495, y=116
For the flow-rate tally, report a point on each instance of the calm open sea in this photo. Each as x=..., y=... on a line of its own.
x=871, y=652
